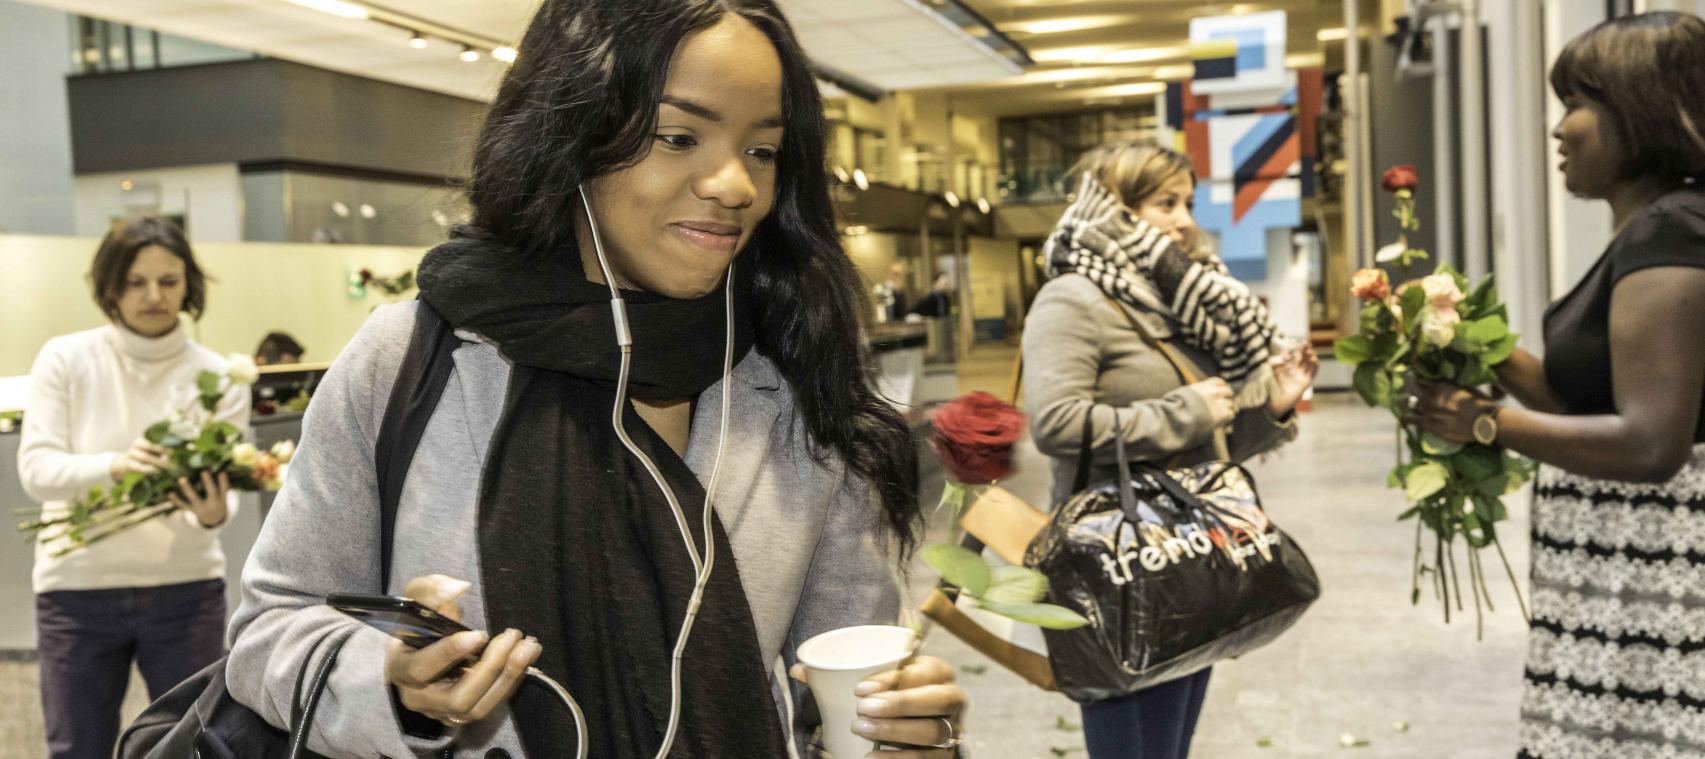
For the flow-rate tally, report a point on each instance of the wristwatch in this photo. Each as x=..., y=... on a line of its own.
x=1486, y=426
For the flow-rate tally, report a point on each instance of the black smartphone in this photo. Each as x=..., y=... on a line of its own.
x=401, y=618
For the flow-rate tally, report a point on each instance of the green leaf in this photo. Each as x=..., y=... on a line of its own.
x=1063, y=726
x=1015, y=585
x=156, y=432
x=1488, y=330
x=1373, y=384
x=1353, y=350
x=1375, y=318
x=959, y=567
x=208, y=383
x=1425, y=480
x=1438, y=446
x=1477, y=462
x=1047, y=616
x=1498, y=351
x=1414, y=299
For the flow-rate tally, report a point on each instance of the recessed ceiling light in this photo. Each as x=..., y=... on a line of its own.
x=860, y=179
x=340, y=209
x=841, y=175
x=334, y=7
x=417, y=41
x=1142, y=55
x=1334, y=33
x=469, y=54
x=505, y=53
x=952, y=200
x=983, y=205
x=368, y=211
x=126, y=185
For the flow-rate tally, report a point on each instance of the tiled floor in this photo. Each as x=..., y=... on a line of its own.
x=1362, y=659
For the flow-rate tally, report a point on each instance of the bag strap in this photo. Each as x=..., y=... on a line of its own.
x=420, y=383
x=302, y=713
x=1186, y=371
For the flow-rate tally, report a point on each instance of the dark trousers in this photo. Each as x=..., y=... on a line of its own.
x=87, y=639
x=1153, y=723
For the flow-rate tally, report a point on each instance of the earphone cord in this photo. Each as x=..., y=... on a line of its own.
x=562, y=693
x=701, y=565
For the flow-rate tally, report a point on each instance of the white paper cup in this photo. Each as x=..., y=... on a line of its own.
x=841, y=659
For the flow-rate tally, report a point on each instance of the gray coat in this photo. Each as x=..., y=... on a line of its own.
x=1082, y=358
x=806, y=537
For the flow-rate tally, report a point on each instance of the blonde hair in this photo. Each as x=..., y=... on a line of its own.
x=1135, y=169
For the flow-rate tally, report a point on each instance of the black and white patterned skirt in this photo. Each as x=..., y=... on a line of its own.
x=1616, y=655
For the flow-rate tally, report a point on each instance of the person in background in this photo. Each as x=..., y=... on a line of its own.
x=938, y=304
x=278, y=348
x=1084, y=360
x=154, y=594
x=1615, y=412
x=684, y=140
x=890, y=294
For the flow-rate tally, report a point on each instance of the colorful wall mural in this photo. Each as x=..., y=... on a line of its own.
x=1248, y=125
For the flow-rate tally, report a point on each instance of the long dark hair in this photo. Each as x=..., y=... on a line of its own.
x=581, y=101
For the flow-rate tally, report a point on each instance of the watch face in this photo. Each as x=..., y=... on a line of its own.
x=1485, y=429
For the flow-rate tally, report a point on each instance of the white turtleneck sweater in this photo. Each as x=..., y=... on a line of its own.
x=92, y=394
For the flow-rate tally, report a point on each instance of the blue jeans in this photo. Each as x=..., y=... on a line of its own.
x=87, y=639
x=1153, y=723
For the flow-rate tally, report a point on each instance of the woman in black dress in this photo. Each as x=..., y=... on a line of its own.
x=1616, y=412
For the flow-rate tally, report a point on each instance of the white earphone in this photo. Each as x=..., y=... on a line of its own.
x=702, y=564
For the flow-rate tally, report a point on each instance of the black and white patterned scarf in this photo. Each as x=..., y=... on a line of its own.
x=1137, y=263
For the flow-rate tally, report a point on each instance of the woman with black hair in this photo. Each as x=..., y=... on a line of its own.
x=672, y=150
x=1615, y=412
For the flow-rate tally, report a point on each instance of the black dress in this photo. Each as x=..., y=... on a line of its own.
x=1616, y=652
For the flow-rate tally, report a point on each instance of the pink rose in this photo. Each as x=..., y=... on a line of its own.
x=1370, y=284
x=1441, y=290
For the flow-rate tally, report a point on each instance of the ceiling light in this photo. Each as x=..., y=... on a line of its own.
x=505, y=53
x=469, y=54
x=952, y=200
x=1068, y=54
x=1174, y=73
x=1070, y=24
x=126, y=185
x=417, y=41
x=368, y=211
x=841, y=175
x=1332, y=34
x=983, y=205
x=860, y=179
x=1304, y=60
x=340, y=209
x=1142, y=55
x=334, y=7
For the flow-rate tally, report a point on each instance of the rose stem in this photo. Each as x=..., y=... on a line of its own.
x=1439, y=564
x=1514, y=585
x=1455, y=574
x=1415, y=576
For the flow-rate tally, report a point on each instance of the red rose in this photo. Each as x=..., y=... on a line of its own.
x=366, y=276
x=974, y=435
x=1403, y=177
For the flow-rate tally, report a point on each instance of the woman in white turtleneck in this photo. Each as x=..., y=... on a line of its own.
x=154, y=594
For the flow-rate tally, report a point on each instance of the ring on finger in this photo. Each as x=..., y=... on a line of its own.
x=952, y=740
x=456, y=720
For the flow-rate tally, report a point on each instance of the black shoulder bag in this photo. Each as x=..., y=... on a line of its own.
x=1175, y=568
x=199, y=719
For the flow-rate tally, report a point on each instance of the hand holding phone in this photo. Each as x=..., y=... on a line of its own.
x=436, y=678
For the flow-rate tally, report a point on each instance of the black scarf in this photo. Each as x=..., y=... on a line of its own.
x=577, y=545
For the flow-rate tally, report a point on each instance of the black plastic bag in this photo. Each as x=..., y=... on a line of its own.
x=1175, y=570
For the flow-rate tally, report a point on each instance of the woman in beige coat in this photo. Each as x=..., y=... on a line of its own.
x=1125, y=256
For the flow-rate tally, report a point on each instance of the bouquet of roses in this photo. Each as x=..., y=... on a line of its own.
x=1428, y=330
x=973, y=439
x=194, y=443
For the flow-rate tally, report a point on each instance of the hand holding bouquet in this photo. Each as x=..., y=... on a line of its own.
x=182, y=461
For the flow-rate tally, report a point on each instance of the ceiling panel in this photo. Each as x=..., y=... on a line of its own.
x=858, y=39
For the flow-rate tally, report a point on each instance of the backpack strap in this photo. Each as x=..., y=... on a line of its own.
x=420, y=383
